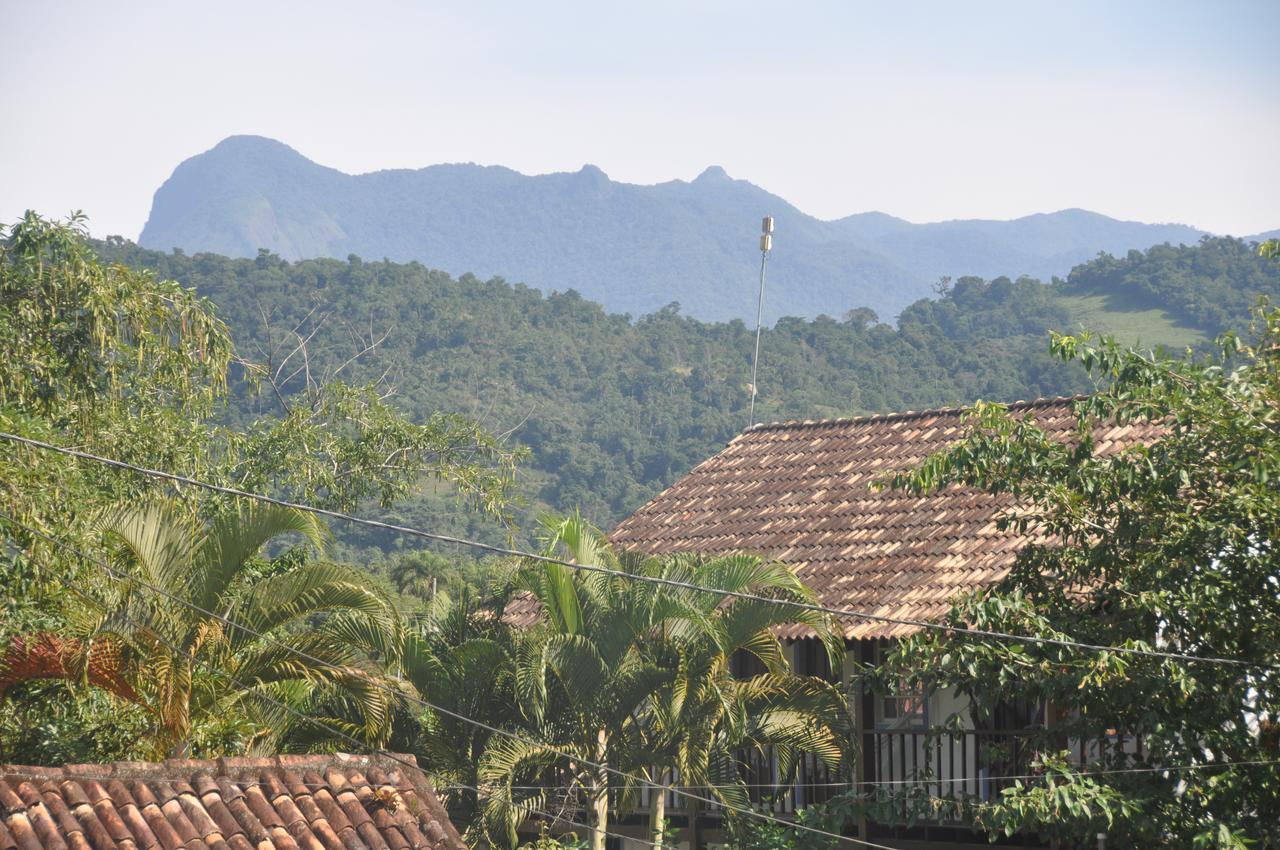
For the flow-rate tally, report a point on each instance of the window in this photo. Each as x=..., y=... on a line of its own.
x=903, y=708
x=812, y=660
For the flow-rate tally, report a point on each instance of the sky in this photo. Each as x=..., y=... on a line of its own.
x=1151, y=110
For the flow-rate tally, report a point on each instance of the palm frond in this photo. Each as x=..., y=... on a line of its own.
x=240, y=534
x=313, y=588
x=161, y=542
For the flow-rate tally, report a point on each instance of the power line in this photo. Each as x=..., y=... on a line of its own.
x=669, y=582
x=989, y=778
x=479, y=724
x=315, y=721
x=12, y=770
x=674, y=789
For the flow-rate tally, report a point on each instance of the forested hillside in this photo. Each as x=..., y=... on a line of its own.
x=629, y=247
x=1209, y=287
x=613, y=410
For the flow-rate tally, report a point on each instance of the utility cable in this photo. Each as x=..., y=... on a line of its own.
x=314, y=721
x=989, y=778
x=669, y=582
x=677, y=790
x=479, y=724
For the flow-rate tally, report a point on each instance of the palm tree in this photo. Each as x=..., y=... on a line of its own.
x=209, y=685
x=580, y=680
x=636, y=677
x=461, y=657
x=700, y=728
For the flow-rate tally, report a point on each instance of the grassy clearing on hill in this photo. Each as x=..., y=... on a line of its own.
x=1131, y=324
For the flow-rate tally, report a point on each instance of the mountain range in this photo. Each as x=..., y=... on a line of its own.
x=633, y=248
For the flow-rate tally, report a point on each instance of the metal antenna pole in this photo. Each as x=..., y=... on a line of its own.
x=766, y=242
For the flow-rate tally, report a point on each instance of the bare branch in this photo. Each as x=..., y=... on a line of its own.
x=303, y=341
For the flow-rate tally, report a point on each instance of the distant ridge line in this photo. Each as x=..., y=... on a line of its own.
x=632, y=248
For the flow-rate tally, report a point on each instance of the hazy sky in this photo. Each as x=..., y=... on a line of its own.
x=1158, y=111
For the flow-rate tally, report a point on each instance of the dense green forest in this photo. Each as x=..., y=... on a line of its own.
x=612, y=409
x=113, y=647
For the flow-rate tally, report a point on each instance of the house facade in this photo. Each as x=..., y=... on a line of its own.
x=802, y=493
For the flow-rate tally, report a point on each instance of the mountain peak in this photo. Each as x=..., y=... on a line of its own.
x=253, y=144
x=631, y=247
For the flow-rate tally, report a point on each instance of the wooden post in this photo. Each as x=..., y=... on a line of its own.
x=600, y=794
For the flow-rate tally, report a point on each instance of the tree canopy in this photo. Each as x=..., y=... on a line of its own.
x=1167, y=546
x=614, y=408
x=117, y=361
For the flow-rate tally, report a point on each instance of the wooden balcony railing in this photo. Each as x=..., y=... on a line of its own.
x=901, y=766
x=971, y=766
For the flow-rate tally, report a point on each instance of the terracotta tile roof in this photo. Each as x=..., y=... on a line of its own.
x=330, y=802
x=800, y=492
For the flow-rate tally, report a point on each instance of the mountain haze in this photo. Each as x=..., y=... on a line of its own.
x=632, y=248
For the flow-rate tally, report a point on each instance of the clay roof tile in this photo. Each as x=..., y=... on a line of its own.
x=229, y=804
x=858, y=547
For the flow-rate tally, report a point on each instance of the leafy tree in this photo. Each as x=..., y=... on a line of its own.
x=612, y=408
x=1210, y=286
x=118, y=362
x=205, y=685
x=581, y=677
x=420, y=573
x=698, y=727
x=1165, y=546
x=461, y=657
x=545, y=841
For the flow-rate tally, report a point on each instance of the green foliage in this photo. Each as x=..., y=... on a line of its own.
x=1166, y=546
x=208, y=687
x=612, y=410
x=1209, y=287
x=563, y=841
x=82, y=340
x=103, y=357
x=420, y=573
x=762, y=835
x=346, y=445
x=48, y=722
x=461, y=657
x=118, y=362
x=618, y=672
